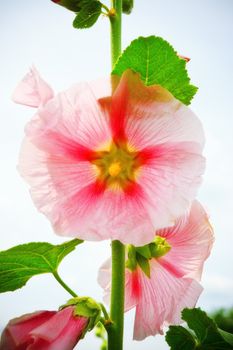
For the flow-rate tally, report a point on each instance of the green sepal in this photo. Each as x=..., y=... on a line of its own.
x=127, y=6
x=20, y=263
x=159, y=247
x=144, y=251
x=85, y=307
x=144, y=264
x=131, y=262
x=158, y=64
x=88, y=15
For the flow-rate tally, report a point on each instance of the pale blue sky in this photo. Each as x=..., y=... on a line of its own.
x=40, y=33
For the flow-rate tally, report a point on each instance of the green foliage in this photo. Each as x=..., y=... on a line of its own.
x=20, y=263
x=224, y=319
x=127, y=6
x=88, y=15
x=203, y=334
x=158, y=64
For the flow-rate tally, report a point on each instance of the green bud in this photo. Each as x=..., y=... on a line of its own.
x=159, y=247
x=127, y=6
x=72, y=5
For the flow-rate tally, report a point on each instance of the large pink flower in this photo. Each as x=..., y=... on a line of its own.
x=44, y=330
x=173, y=283
x=105, y=165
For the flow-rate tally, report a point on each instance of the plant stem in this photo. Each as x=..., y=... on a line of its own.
x=63, y=284
x=115, y=331
x=115, y=21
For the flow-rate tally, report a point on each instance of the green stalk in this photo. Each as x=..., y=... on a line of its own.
x=115, y=20
x=116, y=329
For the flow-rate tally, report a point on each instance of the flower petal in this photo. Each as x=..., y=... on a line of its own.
x=16, y=332
x=32, y=91
x=170, y=180
x=163, y=296
x=61, y=331
x=191, y=240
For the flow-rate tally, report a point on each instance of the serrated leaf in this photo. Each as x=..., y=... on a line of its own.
x=206, y=336
x=20, y=263
x=158, y=64
x=199, y=322
x=179, y=338
x=88, y=14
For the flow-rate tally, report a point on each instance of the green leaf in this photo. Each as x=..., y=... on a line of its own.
x=144, y=264
x=88, y=14
x=158, y=64
x=20, y=263
x=228, y=337
x=179, y=338
x=206, y=336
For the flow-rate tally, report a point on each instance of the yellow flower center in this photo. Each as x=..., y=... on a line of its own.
x=117, y=165
x=114, y=169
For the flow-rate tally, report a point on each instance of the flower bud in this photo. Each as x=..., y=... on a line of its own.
x=127, y=6
x=72, y=5
x=55, y=329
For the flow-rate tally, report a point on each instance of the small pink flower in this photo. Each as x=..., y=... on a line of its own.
x=173, y=283
x=115, y=167
x=44, y=330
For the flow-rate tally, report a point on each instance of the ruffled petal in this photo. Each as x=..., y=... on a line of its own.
x=162, y=300
x=32, y=91
x=170, y=180
x=191, y=240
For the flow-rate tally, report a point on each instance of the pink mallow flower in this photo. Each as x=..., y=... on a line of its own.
x=105, y=165
x=175, y=267
x=44, y=330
